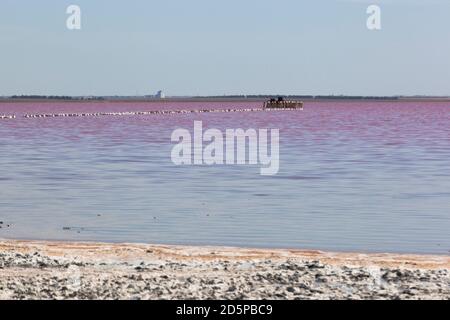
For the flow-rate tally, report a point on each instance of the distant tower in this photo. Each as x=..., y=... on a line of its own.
x=160, y=95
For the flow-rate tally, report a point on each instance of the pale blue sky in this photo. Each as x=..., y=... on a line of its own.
x=211, y=47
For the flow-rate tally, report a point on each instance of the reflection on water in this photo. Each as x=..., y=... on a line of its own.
x=370, y=176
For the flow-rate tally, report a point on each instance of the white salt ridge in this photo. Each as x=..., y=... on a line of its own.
x=7, y=116
x=141, y=113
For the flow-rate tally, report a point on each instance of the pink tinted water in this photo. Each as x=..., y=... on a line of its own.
x=365, y=176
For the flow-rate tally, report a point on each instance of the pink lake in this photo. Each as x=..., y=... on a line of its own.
x=354, y=176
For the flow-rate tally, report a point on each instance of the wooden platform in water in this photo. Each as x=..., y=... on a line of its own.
x=283, y=105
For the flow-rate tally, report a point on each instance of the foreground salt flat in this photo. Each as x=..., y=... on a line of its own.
x=62, y=270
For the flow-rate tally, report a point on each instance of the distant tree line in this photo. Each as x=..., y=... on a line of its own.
x=299, y=97
x=356, y=97
x=39, y=97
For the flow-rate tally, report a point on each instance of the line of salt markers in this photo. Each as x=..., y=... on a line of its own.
x=142, y=113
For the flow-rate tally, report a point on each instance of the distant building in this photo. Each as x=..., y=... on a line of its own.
x=160, y=95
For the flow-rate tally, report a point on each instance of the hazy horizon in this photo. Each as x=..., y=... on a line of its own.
x=150, y=96
x=200, y=48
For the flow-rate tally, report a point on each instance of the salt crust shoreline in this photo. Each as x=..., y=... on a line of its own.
x=69, y=270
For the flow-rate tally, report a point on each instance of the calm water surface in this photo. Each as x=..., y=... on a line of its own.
x=364, y=176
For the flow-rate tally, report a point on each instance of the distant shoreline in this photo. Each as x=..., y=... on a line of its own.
x=217, y=99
